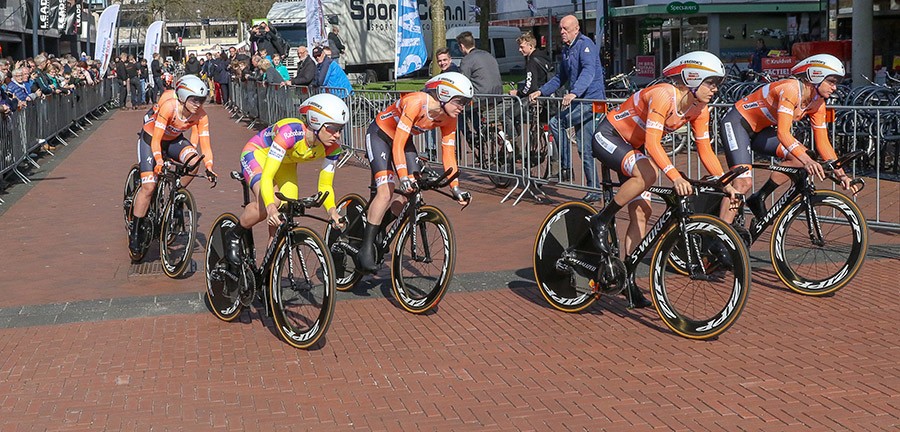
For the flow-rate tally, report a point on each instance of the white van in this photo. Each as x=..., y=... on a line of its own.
x=503, y=46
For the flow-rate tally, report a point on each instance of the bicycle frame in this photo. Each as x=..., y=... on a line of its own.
x=677, y=210
x=800, y=186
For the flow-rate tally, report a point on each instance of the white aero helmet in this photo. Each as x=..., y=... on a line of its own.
x=449, y=85
x=190, y=85
x=818, y=67
x=694, y=67
x=324, y=108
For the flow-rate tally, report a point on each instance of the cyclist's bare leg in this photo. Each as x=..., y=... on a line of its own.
x=639, y=212
x=142, y=199
x=742, y=185
x=383, y=199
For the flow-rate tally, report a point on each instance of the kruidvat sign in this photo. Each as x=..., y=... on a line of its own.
x=679, y=8
x=778, y=67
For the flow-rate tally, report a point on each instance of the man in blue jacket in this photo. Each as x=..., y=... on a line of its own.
x=329, y=73
x=580, y=70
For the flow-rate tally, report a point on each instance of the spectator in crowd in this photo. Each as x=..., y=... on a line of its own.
x=132, y=69
x=8, y=102
x=222, y=77
x=580, y=70
x=444, y=62
x=5, y=67
x=482, y=69
x=192, y=67
x=41, y=77
x=758, y=54
x=336, y=43
x=306, y=68
x=270, y=75
x=156, y=73
x=267, y=38
x=537, y=72
x=282, y=69
x=122, y=78
x=330, y=74
x=20, y=87
x=144, y=74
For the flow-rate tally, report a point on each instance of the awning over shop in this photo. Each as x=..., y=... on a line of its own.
x=9, y=37
x=719, y=8
x=524, y=22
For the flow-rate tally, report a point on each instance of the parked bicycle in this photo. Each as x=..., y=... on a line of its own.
x=699, y=304
x=295, y=281
x=820, y=237
x=424, y=253
x=172, y=216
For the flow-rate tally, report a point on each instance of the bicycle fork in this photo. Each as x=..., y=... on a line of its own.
x=814, y=229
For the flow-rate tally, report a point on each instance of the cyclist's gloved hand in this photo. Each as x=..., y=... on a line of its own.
x=211, y=175
x=157, y=169
x=461, y=196
x=407, y=185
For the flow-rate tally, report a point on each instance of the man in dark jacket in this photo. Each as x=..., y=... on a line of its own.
x=222, y=76
x=267, y=38
x=133, y=70
x=537, y=71
x=306, y=68
x=484, y=72
x=122, y=78
x=335, y=43
x=192, y=67
x=156, y=77
x=580, y=70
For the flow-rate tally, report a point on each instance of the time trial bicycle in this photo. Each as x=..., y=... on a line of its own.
x=424, y=253
x=700, y=304
x=295, y=280
x=171, y=217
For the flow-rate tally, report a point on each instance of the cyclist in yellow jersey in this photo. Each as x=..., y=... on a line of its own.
x=269, y=163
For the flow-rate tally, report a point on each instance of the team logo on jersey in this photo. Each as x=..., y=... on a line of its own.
x=750, y=105
x=623, y=115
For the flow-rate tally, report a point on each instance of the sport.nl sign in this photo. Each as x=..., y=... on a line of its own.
x=778, y=67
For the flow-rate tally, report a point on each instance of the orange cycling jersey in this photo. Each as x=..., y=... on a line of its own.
x=409, y=117
x=647, y=115
x=165, y=96
x=779, y=103
x=168, y=123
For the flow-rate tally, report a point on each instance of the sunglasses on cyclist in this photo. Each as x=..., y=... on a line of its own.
x=333, y=128
x=197, y=100
x=461, y=101
x=713, y=81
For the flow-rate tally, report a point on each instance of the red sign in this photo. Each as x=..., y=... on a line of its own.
x=646, y=66
x=778, y=67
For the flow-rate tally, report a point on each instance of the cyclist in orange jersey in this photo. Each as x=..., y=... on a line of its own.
x=194, y=137
x=762, y=122
x=392, y=155
x=637, y=126
x=163, y=134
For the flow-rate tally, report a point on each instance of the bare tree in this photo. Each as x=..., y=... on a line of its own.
x=438, y=32
x=484, y=41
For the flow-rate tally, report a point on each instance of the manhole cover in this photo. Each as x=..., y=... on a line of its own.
x=155, y=269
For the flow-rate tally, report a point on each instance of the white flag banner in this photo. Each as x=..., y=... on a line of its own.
x=151, y=44
x=315, y=23
x=601, y=24
x=106, y=29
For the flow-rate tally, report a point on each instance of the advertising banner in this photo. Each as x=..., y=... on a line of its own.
x=778, y=67
x=410, y=53
x=69, y=17
x=315, y=23
x=646, y=66
x=151, y=43
x=106, y=31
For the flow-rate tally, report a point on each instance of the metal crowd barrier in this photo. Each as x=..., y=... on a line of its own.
x=551, y=143
x=26, y=130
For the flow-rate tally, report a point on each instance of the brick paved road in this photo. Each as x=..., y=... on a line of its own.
x=132, y=352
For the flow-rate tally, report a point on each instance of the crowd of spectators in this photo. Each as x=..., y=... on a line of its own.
x=25, y=82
